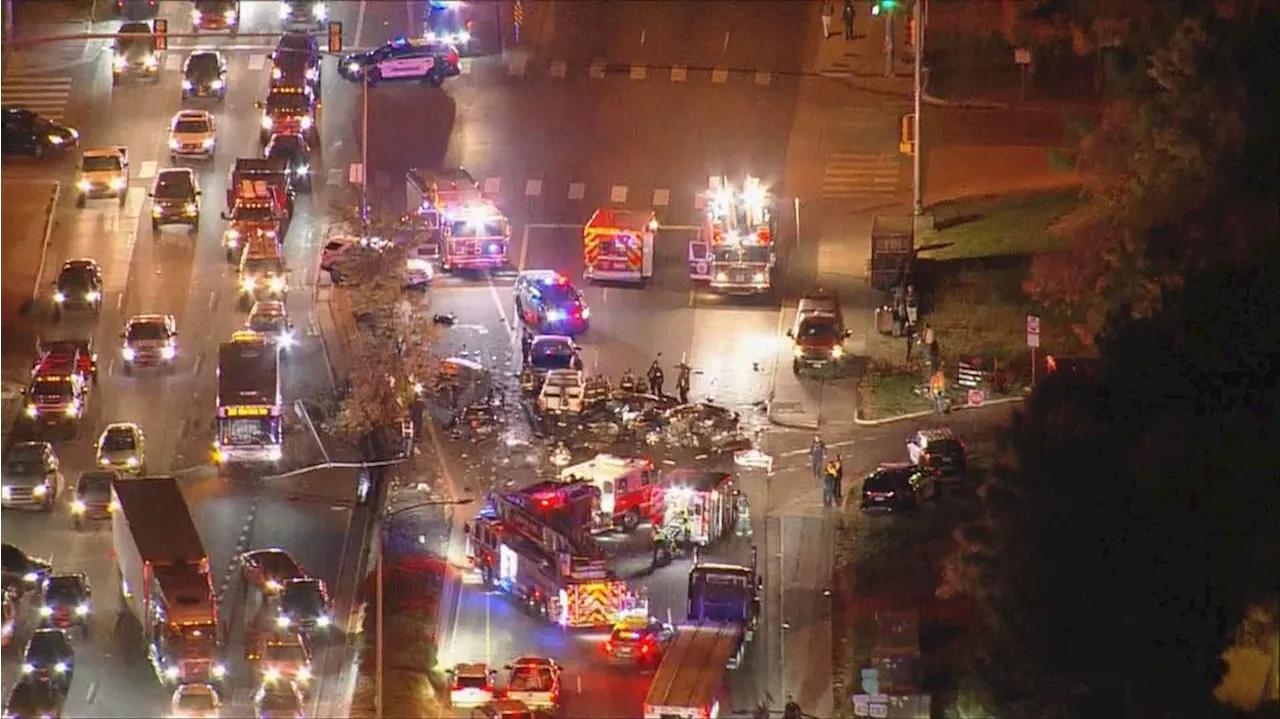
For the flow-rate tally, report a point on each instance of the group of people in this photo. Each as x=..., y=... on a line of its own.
x=655, y=379
x=829, y=470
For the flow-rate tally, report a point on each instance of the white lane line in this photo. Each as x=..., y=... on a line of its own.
x=172, y=62
x=661, y=198
x=147, y=169
x=257, y=63
x=533, y=188
x=518, y=67
x=763, y=77
x=719, y=76
x=524, y=249
x=559, y=68
x=464, y=66
x=597, y=70
x=618, y=194
x=333, y=178
x=492, y=186
x=638, y=72
x=679, y=73
x=359, y=22
x=577, y=190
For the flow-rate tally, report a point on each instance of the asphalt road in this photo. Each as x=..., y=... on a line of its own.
x=186, y=275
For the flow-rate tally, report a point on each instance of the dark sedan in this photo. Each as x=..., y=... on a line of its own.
x=28, y=134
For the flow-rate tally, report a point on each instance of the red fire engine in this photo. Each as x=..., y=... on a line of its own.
x=629, y=488
x=703, y=502
x=528, y=545
x=617, y=245
x=734, y=252
x=472, y=232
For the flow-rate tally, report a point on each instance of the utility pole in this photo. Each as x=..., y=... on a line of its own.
x=917, y=189
x=364, y=204
x=888, y=44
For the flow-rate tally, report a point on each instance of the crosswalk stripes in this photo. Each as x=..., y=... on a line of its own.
x=851, y=176
x=47, y=95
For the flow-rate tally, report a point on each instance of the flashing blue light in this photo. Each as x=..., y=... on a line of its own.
x=556, y=315
x=494, y=248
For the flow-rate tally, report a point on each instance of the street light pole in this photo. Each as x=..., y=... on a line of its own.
x=377, y=642
x=917, y=200
x=364, y=160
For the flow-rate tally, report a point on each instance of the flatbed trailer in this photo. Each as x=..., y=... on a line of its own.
x=690, y=681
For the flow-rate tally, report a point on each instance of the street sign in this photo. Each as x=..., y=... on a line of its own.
x=355, y=175
x=967, y=375
x=1033, y=331
x=976, y=397
x=1022, y=56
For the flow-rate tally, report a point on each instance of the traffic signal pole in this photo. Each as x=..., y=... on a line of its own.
x=888, y=44
x=917, y=188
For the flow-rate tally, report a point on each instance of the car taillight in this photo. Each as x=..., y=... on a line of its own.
x=453, y=57
x=644, y=648
x=608, y=646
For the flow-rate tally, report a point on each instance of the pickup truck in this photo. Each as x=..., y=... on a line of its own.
x=104, y=172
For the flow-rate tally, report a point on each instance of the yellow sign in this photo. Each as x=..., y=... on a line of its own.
x=250, y=411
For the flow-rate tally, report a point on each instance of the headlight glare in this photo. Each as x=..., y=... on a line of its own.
x=82, y=610
x=128, y=353
x=46, y=611
x=59, y=297
x=167, y=352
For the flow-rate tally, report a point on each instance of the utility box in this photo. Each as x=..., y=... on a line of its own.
x=892, y=250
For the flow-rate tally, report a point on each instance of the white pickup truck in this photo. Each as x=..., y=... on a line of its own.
x=104, y=172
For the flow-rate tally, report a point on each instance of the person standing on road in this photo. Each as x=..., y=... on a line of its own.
x=829, y=485
x=911, y=336
x=655, y=376
x=839, y=480
x=817, y=456
x=682, y=382
x=847, y=14
x=828, y=14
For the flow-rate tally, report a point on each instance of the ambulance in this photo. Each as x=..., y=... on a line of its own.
x=705, y=501
x=472, y=232
x=734, y=250
x=629, y=489
x=617, y=245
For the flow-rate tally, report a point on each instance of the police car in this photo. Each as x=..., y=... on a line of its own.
x=447, y=25
x=546, y=302
x=425, y=60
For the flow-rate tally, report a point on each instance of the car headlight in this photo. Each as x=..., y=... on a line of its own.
x=196, y=16
x=272, y=585
x=118, y=183
x=151, y=62
x=54, y=139
x=721, y=277
x=216, y=85
x=283, y=11
x=267, y=122
x=6, y=492
x=837, y=352
x=77, y=506
x=276, y=73
x=128, y=353
x=759, y=277
x=156, y=211
x=167, y=352
x=286, y=339
x=283, y=622
x=131, y=462
x=797, y=351
x=277, y=284
x=303, y=674
x=92, y=296
x=171, y=672
x=306, y=122
x=217, y=670
x=319, y=11
x=82, y=610
x=28, y=667
x=207, y=143
x=323, y=620
x=304, y=171
x=186, y=85
x=60, y=668
x=586, y=313
x=353, y=68
x=190, y=208
x=233, y=234
x=104, y=462
x=229, y=16
x=59, y=297
x=119, y=62
x=73, y=409
x=248, y=283
x=174, y=144
x=83, y=185
x=555, y=315
x=271, y=674
x=40, y=490
x=31, y=577
x=311, y=73
x=274, y=453
x=46, y=610
x=32, y=410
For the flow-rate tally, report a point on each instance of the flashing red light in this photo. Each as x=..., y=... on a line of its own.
x=608, y=647
x=644, y=648
x=453, y=58
x=562, y=280
x=1050, y=363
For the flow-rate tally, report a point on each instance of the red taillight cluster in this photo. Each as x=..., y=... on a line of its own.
x=453, y=58
x=608, y=647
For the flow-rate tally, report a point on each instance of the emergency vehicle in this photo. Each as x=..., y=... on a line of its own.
x=705, y=502
x=473, y=233
x=258, y=213
x=58, y=391
x=734, y=251
x=690, y=681
x=629, y=489
x=617, y=245
x=289, y=110
x=527, y=545
x=271, y=170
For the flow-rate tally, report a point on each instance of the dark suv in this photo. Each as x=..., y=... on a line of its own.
x=890, y=488
x=175, y=199
x=938, y=453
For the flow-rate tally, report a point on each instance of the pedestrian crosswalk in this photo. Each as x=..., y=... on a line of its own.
x=47, y=95
x=860, y=176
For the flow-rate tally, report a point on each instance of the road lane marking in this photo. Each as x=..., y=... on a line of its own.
x=359, y=21
x=257, y=63
x=492, y=186
x=147, y=169
x=524, y=249
x=333, y=178
x=518, y=66
x=661, y=198
x=596, y=72
x=618, y=194
x=859, y=176
x=172, y=62
x=725, y=49
x=763, y=77
x=45, y=94
x=133, y=200
x=699, y=201
x=115, y=273
x=719, y=76
x=638, y=72
x=642, y=36
x=577, y=190
x=533, y=188
x=559, y=68
x=679, y=73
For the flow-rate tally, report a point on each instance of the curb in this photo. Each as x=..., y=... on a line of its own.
x=51, y=209
x=798, y=423
x=928, y=412
x=925, y=97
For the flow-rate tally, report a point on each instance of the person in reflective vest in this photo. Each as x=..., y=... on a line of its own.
x=628, y=382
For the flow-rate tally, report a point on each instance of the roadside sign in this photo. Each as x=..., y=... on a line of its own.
x=968, y=375
x=1022, y=56
x=1033, y=331
x=976, y=397
x=355, y=174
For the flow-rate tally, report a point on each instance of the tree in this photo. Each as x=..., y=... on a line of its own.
x=1133, y=520
x=390, y=353
x=1181, y=172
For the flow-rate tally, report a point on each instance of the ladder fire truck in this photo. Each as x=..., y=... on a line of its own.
x=473, y=233
x=537, y=546
x=629, y=489
x=733, y=252
x=617, y=245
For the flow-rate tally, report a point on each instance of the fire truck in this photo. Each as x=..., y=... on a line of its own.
x=258, y=210
x=733, y=252
x=705, y=502
x=471, y=231
x=617, y=245
x=59, y=388
x=530, y=545
x=629, y=489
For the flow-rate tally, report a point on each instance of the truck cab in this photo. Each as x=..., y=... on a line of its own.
x=618, y=245
x=262, y=273
x=629, y=488
x=104, y=172
x=818, y=332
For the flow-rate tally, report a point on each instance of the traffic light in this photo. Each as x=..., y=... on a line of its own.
x=883, y=6
x=161, y=33
x=335, y=36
